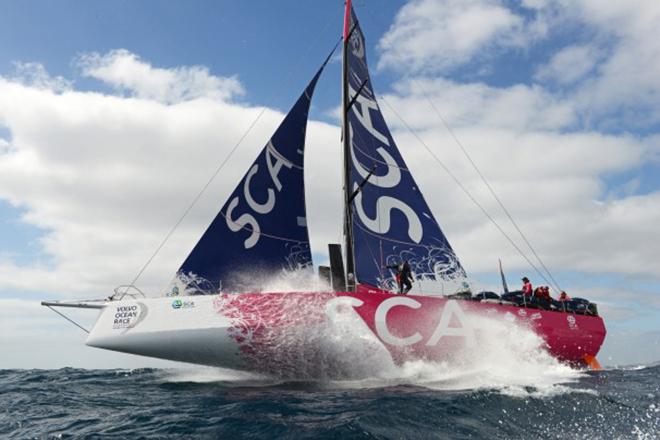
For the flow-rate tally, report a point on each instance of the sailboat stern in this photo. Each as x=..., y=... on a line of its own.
x=185, y=329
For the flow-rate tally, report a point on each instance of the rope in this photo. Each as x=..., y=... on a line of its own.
x=226, y=159
x=485, y=181
x=69, y=319
x=464, y=189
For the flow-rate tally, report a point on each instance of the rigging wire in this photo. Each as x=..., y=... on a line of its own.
x=231, y=153
x=485, y=181
x=69, y=319
x=463, y=188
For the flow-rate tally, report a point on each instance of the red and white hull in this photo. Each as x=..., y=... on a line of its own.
x=283, y=332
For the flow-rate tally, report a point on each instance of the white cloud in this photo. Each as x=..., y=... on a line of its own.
x=625, y=88
x=570, y=64
x=517, y=108
x=441, y=34
x=534, y=4
x=4, y=145
x=105, y=177
x=609, y=69
x=35, y=75
x=124, y=70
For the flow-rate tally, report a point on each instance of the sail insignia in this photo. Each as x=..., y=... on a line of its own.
x=261, y=231
x=391, y=221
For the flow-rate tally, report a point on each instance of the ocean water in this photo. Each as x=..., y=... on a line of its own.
x=426, y=401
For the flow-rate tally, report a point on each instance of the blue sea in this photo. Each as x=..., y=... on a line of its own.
x=212, y=403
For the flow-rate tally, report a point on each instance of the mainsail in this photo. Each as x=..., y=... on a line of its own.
x=389, y=218
x=261, y=230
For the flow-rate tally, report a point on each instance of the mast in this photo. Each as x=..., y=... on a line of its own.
x=348, y=215
x=410, y=234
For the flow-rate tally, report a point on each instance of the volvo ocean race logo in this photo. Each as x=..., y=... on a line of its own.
x=124, y=315
x=128, y=316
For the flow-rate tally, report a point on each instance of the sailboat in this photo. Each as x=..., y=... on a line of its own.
x=217, y=314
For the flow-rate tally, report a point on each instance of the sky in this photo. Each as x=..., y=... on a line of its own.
x=113, y=115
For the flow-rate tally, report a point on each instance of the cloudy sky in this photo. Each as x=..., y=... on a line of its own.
x=113, y=115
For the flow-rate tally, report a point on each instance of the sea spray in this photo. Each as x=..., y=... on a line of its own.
x=297, y=336
x=201, y=374
x=321, y=337
x=506, y=355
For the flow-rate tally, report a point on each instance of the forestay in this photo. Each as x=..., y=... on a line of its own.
x=391, y=220
x=261, y=230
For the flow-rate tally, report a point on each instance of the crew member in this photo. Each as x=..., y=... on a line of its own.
x=527, y=288
x=406, y=278
x=563, y=300
x=544, y=297
x=403, y=276
x=397, y=274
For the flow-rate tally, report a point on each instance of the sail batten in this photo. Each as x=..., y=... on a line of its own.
x=390, y=222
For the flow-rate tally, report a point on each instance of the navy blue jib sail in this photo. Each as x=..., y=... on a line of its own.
x=391, y=220
x=262, y=227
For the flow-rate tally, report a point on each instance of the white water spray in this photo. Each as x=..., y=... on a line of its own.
x=340, y=350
